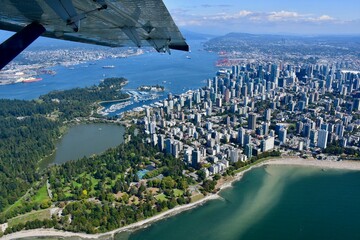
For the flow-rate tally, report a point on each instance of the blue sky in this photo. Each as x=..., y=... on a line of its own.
x=264, y=16
x=267, y=16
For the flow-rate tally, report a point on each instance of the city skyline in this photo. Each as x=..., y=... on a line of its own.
x=269, y=17
x=100, y=142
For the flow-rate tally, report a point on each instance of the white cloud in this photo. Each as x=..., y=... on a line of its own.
x=185, y=18
x=244, y=13
x=325, y=18
x=252, y=21
x=227, y=16
x=283, y=16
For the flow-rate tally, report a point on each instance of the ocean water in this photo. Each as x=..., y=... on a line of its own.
x=175, y=72
x=273, y=202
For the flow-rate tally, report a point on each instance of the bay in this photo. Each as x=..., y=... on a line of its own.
x=274, y=202
x=177, y=72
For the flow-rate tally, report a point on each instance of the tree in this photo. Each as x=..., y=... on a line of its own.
x=216, y=177
x=201, y=174
x=168, y=182
x=209, y=185
x=183, y=184
x=45, y=204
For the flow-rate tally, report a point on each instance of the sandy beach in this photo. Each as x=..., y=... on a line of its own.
x=325, y=164
x=311, y=162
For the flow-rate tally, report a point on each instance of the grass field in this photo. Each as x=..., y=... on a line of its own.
x=75, y=184
x=41, y=195
x=196, y=197
x=161, y=197
x=178, y=192
x=41, y=215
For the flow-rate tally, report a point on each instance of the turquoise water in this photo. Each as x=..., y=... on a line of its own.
x=86, y=140
x=274, y=202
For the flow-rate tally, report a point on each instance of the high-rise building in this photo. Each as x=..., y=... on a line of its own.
x=301, y=146
x=209, y=83
x=318, y=121
x=241, y=136
x=198, y=118
x=282, y=135
x=252, y=121
x=322, y=138
x=195, y=158
x=306, y=130
x=328, y=83
x=168, y=146
x=313, y=137
x=265, y=128
x=175, y=149
x=189, y=103
x=267, y=115
x=244, y=91
x=274, y=73
x=161, y=142
x=152, y=126
x=356, y=105
x=187, y=157
x=324, y=126
x=299, y=127
x=154, y=139
x=267, y=144
x=340, y=130
x=227, y=95
x=248, y=150
x=234, y=155
x=219, y=102
x=279, y=126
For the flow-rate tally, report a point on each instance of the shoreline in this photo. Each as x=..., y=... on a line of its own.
x=290, y=161
x=43, y=232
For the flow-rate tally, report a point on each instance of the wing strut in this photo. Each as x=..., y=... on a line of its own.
x=18, y=42
x=67, y=12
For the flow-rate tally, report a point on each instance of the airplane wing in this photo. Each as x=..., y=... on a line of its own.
x=114, y=23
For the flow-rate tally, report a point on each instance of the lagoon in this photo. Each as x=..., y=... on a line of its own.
x=85, y=140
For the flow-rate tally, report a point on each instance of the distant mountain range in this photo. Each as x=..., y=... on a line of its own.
x=283, y=37
x=287, y=48
x=189, y=35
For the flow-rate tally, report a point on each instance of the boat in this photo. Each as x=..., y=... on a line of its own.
x=109, y=66
x=29, y=80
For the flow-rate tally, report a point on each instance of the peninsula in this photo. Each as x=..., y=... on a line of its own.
x=189, y=146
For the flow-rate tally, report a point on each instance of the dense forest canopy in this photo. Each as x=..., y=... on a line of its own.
x=28, y=130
